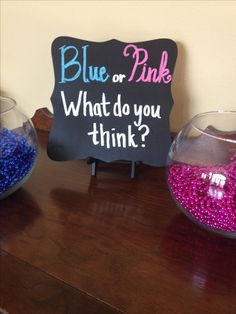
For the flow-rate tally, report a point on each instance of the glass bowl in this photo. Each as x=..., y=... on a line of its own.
x=201, y=171
x=18, y=147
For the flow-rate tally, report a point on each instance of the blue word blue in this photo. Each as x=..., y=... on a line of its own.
x=89, y=73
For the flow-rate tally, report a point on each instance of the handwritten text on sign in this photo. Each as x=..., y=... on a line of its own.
x=113, y=98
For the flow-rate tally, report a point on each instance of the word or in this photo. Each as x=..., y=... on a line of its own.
x=118, y=78
x=148, y=74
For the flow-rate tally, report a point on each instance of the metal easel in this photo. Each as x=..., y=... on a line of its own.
x=94, y=162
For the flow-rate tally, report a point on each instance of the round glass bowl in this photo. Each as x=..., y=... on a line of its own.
x=18, y=147
x=201, y=171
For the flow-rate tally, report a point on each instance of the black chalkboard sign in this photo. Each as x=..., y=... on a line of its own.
x=112, y=100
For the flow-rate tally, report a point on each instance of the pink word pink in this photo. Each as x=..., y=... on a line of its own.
x=148, y=74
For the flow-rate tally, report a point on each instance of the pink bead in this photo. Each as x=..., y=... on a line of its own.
x=208, y=194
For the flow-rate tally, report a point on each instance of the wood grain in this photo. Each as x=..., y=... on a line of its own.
x=120, y=240
x=25, y=289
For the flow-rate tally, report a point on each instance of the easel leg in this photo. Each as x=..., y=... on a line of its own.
x=94, y=168
x=133, y=169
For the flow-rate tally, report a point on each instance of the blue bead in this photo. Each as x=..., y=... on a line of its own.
x=17, y=158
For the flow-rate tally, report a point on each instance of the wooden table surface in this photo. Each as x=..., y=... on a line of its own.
x=72, y=243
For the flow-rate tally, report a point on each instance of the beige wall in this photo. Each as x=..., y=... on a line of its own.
x=205, y=31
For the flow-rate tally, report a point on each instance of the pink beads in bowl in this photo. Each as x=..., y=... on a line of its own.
x=202, y=171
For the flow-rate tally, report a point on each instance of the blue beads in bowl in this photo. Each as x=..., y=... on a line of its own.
x=18, y=147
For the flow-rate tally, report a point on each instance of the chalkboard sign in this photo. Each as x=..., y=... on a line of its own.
x=112, y=100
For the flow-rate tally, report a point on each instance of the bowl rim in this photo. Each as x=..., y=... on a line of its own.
x=11, y=103
x=197, y=116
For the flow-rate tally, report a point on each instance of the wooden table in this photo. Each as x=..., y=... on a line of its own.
x=72, y=243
